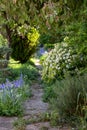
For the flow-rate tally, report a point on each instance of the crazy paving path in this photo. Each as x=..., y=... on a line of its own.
x=35, y=106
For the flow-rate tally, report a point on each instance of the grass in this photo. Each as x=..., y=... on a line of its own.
x=15, y=68
x=28, y=70
x=19, y=124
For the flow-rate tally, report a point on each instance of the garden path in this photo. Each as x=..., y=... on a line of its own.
x=34, y=107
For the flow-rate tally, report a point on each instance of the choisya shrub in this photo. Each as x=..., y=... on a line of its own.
x=62, y=59
x=24, y=42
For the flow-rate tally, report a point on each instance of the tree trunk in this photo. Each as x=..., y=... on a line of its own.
x=8, y=31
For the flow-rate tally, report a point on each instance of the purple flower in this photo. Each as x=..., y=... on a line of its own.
x=19, y=82
x=8, y=84
x=42, y=51
x=16, y=83
x=2, y=86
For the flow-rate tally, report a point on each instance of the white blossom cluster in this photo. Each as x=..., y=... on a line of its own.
x=59, y=60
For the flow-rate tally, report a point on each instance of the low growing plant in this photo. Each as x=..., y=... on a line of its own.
x=48, y=92
x=19, y=124
x=12, y=95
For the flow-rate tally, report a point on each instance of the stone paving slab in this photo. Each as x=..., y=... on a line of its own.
x=3, y=128
x=38, y=126
x=35, y=105
x=46, y=126
x=6, y=123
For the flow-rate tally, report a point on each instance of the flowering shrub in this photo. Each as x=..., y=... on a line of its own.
x=11, y=97
x=60, y=60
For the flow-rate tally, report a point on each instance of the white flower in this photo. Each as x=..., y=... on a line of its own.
x=64, y=58
x=67, y=66
x=58, y=68
x=69, y=60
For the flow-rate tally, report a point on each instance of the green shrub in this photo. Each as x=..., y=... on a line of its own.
x=62, y=59
x=24, y=42
x=46, y=41
x=71, y=97
x=48, y=93
x=72, y=56
x=42, y=58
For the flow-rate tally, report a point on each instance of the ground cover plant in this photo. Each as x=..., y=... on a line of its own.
x=12, y=95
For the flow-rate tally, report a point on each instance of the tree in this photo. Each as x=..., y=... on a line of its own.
x=10, y=14
x=48, y=16
x=24, y=42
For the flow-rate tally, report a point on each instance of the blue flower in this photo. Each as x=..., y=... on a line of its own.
x=8, y=84
x=15, y=84
x=2, y=86
x=19, y=82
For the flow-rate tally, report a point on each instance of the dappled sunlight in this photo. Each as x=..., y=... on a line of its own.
x=28, y=69
x=14, y=64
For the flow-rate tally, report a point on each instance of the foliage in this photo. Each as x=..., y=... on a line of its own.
x=63, y=59
x=48, y=92
x=47, y=41
x=12, y=95
x=19, y=124
x=24, y=42
x=83, y=120
x=3, y=47
x=48, y=15
x=57, y=16
x=42, y=58
x=71, y=55
x=3, y=41
x=71, y=97
x=13, y=9
x=28, y=70
x=3, y=61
